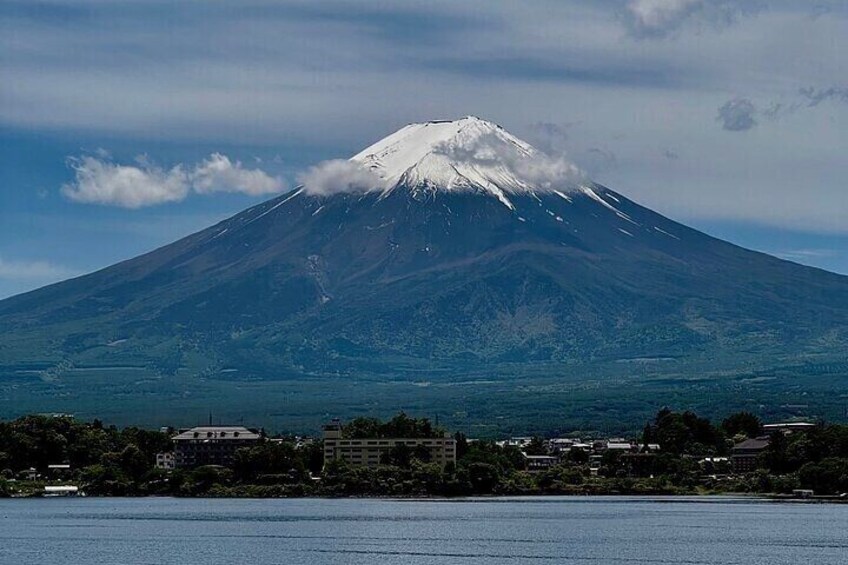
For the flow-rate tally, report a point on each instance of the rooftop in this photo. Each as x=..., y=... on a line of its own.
x=788, y=425
x=752, y=444
x=217, y=433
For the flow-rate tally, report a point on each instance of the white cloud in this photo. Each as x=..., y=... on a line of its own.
x=541, y=171
x=661, y=18
x=657, y=17
x=548, y=172
x=338, y=175
x=101, y=181
x=219, y=174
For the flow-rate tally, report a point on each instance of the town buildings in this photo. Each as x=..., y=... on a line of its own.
x=744, y=455
x=540, y=462
x=375, y=451
x=211, y=445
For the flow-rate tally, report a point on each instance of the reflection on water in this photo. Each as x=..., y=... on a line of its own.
x=482, y=531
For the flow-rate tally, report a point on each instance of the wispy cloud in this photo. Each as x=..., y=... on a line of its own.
x=550, y=137
x=34, y=271
x=740, y=114
x=816, y=96
x=98, y=180
x=662, y=18
x=806, y=254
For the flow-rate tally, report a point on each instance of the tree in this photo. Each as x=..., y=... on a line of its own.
x=202, y=479
x=536, y=447
x=483, y=477
x=742, y=423
x=279, y=459
x=421, y=453
x=829, y=476
x=400, y=455
x=774, y=457
x=362, y=428
x=461, y=445
x=134, y=463
x=685, y=433
x=578, y=455
x=312, y=456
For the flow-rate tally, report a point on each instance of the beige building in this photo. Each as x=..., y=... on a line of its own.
x=372, y=451
x=211, y=445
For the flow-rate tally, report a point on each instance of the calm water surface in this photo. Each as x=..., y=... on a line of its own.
x=317, y=532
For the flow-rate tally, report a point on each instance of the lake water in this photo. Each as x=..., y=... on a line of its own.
x=600, y=530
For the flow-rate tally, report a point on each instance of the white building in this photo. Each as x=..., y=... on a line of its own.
x=373, y=451
x=166, y=460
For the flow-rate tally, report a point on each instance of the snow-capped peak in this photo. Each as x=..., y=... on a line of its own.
x=465, y=154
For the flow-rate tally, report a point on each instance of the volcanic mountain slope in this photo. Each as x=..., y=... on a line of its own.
x=470, y=248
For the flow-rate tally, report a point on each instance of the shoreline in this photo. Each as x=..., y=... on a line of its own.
x=765, y=497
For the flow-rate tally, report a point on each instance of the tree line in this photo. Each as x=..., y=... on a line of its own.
x=105, y=460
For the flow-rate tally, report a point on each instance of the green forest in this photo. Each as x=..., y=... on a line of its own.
x=107, y=461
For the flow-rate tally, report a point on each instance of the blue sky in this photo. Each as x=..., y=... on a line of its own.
x=127, y=124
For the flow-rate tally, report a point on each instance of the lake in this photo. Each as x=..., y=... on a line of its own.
x=598, y=530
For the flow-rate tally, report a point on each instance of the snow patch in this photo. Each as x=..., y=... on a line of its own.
x=469, y=154
x=277, y=205
x=662, y=231
x=594, y=196
x=564, y=196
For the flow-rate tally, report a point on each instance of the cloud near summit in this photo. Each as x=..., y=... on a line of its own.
x=542, y=171
x=99, y=180
x=338, y=175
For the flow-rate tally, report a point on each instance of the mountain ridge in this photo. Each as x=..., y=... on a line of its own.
x=395, y=282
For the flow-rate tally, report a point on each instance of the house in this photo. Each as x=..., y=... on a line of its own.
x=166, y=460
x=58, y=471
x=561, y=446
x=211, y=445
x=744, y=455
x=28, y=474
x=540, y=462
x=620, y=445
x=519, y=442
x=63, y=490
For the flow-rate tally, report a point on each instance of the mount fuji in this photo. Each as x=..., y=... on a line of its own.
x=448, y=267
